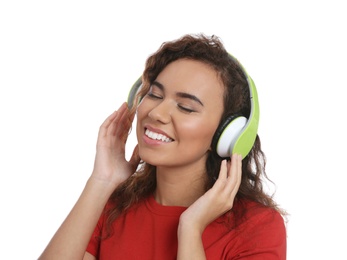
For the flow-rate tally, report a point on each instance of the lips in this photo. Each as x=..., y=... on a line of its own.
x=156, y=134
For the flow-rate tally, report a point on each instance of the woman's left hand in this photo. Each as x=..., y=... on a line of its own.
x=216, y=201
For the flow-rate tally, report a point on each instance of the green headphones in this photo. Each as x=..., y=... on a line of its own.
x=236, y=134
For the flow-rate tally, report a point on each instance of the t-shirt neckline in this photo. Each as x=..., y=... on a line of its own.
x=159, y=209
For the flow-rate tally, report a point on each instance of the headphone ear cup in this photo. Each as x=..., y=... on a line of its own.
x=227, y=134
x=133, y=92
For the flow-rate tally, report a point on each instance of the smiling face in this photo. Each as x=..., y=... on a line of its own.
x=178, y=117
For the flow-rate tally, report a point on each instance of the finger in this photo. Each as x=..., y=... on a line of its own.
x=125, y=122
x=108, y=121
x=114, y=124
x=222, y=177
x=106, y=124
x=235, y=172
x=223, y=172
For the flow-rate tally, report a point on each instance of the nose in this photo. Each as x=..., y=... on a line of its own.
x=161, y=112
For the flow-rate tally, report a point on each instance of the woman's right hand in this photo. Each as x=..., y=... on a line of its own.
x=110, y=169
x=110, y=165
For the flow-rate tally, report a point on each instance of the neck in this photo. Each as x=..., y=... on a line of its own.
x=180, y=187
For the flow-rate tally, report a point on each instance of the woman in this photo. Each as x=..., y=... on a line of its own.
x=184, y=200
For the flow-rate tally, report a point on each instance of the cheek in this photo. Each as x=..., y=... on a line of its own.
x=140, y=114
x=201, y=131
x=141, y=111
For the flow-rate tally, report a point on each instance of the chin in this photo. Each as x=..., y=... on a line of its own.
x=147, y=157
x=150, y=158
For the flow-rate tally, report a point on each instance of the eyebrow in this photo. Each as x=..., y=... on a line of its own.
x=179, y=94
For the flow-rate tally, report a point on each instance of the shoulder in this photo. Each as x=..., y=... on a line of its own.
x=262, y=231
x=253, y=216
x=250, y=231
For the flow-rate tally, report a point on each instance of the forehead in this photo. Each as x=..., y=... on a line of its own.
x=192, y=77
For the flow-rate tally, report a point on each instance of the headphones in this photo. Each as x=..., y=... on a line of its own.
x=236, y=134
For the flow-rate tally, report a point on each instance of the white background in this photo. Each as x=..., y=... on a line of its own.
x=66, y=65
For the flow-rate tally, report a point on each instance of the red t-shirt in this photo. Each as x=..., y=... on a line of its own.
x=149, y=231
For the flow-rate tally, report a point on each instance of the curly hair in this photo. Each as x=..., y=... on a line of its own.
x=210, y=51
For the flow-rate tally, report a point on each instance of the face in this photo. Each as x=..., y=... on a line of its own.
x=178, y=117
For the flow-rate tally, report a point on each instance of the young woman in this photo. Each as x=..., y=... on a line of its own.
x=176, y=198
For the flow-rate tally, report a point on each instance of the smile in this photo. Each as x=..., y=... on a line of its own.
x=156, y=136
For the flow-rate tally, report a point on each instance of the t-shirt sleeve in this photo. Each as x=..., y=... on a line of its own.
x=94, y=242
x=266, y=239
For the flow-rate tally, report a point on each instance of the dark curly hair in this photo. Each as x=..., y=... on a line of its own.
x=210, y=51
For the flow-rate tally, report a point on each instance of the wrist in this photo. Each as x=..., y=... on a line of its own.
x=101, y=187
x=190, y=245
x=191, y=228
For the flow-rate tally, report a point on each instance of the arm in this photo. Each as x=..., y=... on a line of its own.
x=71, y=239
x=212, y=204
x=110, y=169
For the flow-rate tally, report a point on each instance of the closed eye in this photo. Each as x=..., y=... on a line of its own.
x=154, y=96
x=185, y=109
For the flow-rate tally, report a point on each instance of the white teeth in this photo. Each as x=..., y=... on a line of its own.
x=157, y=136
